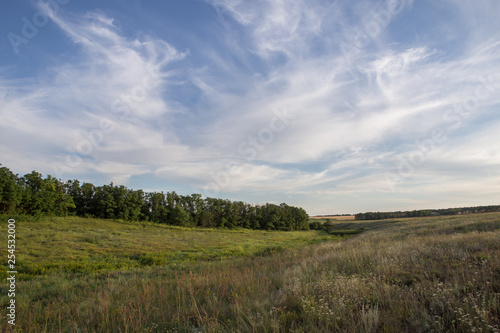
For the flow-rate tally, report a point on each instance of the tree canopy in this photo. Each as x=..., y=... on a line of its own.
x=32, y=194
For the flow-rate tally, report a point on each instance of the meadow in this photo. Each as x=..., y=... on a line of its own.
x=433, y=274
x=87, y=245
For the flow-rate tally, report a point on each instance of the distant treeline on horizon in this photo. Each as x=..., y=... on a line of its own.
x=37, y=196
x=427, y=212
x=333, y=215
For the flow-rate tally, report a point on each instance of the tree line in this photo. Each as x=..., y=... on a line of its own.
x=426, y=212
x=34, y=195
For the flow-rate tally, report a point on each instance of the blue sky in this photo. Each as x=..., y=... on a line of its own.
x=334, y=106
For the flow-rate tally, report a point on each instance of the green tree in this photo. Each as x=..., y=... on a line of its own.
x=32, y=200
x=45, y=196
x=32, y=194
x=88, y=204
x=135, y=200
x=104, y=202
x=10, y=191
x=206, y=219
x=180, y=217
x=157, y=207
x=63, y=201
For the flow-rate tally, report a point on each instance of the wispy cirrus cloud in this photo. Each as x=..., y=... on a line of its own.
x=272, y=100
x=377, y=105
x=113, y=78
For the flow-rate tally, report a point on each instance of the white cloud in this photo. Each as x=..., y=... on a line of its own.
x=114, y=79
x=276, y=26
x=396, y=96
x=350, y=120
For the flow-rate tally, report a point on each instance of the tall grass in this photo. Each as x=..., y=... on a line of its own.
x=412, y=275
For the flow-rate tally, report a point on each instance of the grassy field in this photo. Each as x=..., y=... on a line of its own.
x=437, y=274
x=78, y=245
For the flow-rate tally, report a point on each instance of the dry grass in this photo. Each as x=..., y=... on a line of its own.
x=412, y=275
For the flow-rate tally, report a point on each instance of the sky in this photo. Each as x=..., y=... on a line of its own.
x=334, y=106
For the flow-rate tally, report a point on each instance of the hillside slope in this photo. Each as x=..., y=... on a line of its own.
x=412, y=275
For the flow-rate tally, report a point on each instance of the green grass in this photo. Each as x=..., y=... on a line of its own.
x=79, y=245
x=437, y=274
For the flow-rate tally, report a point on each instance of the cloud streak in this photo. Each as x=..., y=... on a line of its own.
x=148, y=108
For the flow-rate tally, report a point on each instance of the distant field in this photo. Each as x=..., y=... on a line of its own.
x=338, y=218
x=434, y=274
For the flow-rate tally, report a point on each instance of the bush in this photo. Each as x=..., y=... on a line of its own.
x=328, y=226
x=315, y=226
